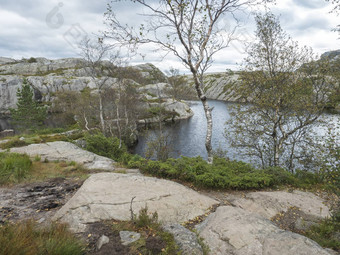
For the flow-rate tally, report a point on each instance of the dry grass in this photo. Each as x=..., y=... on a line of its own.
x=42, y=171
x=27, y=238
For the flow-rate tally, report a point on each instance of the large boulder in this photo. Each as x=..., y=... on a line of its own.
x=268, y=204
x=65, y=151
x=173, y=110
x=234, y=231
x=106, y=196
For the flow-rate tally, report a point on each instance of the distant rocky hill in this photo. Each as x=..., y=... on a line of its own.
x=49, y=76
x=71, y=74
x=333, y=55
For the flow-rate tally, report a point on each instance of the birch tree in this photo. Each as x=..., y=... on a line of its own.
x=288, y=90
x=94, y=52
x=189, y=29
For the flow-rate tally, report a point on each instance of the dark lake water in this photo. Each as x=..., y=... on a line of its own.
x=188, y=136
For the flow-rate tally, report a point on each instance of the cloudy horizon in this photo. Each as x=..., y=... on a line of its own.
x=37, y=28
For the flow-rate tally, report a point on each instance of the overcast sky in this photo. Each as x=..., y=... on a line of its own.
x=51, y=29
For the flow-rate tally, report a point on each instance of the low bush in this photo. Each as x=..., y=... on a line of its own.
x=27, y=238
x=107, y=146
x=153, y=240
x=135, y=161
x=223, y=173
x=306, y=178
x=281, y=176
x=327, y=232
x=31, y=60
x=14, y=167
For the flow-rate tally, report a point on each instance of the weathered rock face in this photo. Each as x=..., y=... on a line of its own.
x=186, y=240
x=65, y=151
x=45, y=86
x=108, y=196
x=50, y=76
x=234, y=231
x=150, y=73
x=220, y=86
x=155, y=91
x=35, y=200
x=4, y=60
x=38, y=66
x=268, y=204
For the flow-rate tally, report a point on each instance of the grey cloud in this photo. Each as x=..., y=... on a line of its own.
x=24, y=32
x=312, y=4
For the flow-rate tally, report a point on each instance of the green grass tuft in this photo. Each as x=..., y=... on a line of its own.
x=14, y=167
x=26, y=238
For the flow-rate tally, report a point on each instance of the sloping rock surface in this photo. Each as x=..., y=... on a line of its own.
x=234, y=231
x=268, y=204
x=65, y=151
x=108, y=196
x=185, y=239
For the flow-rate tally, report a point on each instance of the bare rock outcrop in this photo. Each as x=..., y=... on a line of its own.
x=234, y=231
x=268, y=204
x=108, y=196
x=65, y=151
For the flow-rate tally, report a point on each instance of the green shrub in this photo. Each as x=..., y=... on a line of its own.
x=144, y=220
x=136, y=161
x=37, y=158
x=14, y=167
x=223, y=174
x=106, y=146
x=306, y=179
x=281, y=176
x=27, y=238
x=150, y=230
x=32, y=60
x=326, y=233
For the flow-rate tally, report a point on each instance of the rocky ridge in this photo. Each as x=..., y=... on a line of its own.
x=50, y=76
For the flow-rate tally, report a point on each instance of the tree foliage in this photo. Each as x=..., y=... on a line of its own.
x=29, y=113
x=189, y=29
x=179, y=88
x=288, y=91
x=336, y=9
x=80, y=107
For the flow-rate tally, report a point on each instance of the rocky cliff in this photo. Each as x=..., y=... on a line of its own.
x=50, y=76
x=219, y=86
